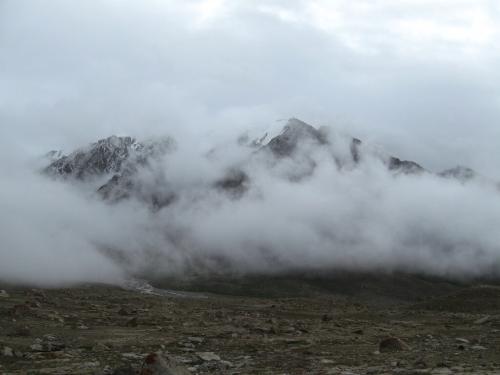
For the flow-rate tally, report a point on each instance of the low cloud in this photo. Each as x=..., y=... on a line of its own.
x=356, y=217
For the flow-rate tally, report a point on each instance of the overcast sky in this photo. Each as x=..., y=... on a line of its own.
x=419, y=77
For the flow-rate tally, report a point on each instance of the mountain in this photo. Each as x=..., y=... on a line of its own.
x=404, y=166
x=460, y=173
x=294, y=133
x=104, y=156
x=297, y=132
x=118, y=164
x=119, y=160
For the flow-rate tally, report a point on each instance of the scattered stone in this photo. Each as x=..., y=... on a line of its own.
x=420, y=364
x=327, y=362
x=293, y=341
x=37, y=347
x=38, y=293
x=392, y=344
x=132, y=356
x=34, y=304
x=124, y=370
x=227, y=364
x=90, y=364
x=124, y=311
x=7, y=352
x=100, y=347
x=245, y=327
x=327, y=318
x=442, y=365
x=20, y=310
x=55, y=316
x=159, y=364
x=208, y=356
x=186, y=344
x=48, y=343
x=478, y=347
x=133, y=322
x=372, y=370
x=20, y=331
x=442, y=371
x=482, y=320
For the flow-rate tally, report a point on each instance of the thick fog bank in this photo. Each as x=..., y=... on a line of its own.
x=315, y=209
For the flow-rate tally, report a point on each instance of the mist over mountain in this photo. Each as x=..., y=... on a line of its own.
x=167, y=159
x=304, y=200
x=116, y=165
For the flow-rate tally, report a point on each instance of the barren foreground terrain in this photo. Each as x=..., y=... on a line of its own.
x=358, y=325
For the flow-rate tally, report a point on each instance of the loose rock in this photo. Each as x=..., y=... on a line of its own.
x=392, y=344
x=20, y=310
x=48, y=343
x=132, y=322
x=208, y=356
x=21, y=331
x=482, y=320
x=159, y=364
x=7, y=352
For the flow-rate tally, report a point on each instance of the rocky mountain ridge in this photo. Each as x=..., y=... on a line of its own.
x=120, y=160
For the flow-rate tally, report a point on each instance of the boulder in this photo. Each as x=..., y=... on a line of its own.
x=392, y=344
x=161, y=364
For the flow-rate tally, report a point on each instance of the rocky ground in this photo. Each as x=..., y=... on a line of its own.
x=98, y=329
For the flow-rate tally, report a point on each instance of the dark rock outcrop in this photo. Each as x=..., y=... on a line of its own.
x=235, y=183
x=294, y=133
x=392, y=344
x=120, y=158
x=404, y=166
x=104, y=156
x=460, y=173
x=355, y=150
